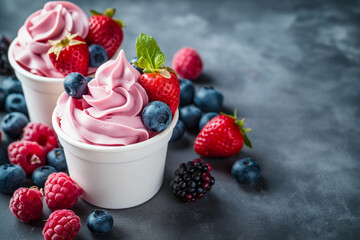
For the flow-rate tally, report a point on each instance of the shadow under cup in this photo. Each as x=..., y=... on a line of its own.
x=117, y=177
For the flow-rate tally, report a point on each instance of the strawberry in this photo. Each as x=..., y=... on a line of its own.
x=222, y=136
x=160, y=82
x=70, y=54
x=105, y=31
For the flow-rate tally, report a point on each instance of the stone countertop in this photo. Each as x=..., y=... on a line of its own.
x=292, y=69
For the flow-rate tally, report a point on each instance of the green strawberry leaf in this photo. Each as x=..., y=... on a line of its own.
x=94, y=13
x=120, y=22
x=110, y=12
x=247, y=141
x=148, y=52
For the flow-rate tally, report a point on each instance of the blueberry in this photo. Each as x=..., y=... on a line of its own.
x=40, y=175
x=98, y=55
x=246, y=170
x=2, y=98
x=56, y=158
x=209, y=99
x=178, y=131
x=135, y=59
x=206, y=117
x=11, y=177
x=190, y=115
x=100, y=222
x=187, y=91
x=15, y=102
x=75, y=85
x=88, y=79
x=156, y=116
x=12, y=85
x=13, y=123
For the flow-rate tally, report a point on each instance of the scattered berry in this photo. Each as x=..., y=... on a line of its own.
x=178, y=131
x=5, y=67
x=209, y=99
x=75, y=85
x=61, y=192
x=160, y=82
x=40, y=175
x=28, y=155
x=44, y=135
x=26, y=204
x=11, y=177
x=98, y=55
x=56, y=158
x=187, y=91
x=13, y=124
x=15, y=102
x=190, y=115
x=246, y=170
x=222, y=136
x=187, y=63
x=11, y=85
x=2, y=98
x=156, y=116
x=70, y=54
x=62, y=224
x=206, y=118
x=100, y=222
x=105, y=31
x=134, y=60
x=192, y=180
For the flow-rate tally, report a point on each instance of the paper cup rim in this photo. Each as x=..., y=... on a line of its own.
x=126, y=148
x=23, y=71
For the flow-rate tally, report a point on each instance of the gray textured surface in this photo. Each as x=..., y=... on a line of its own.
x=292, y=69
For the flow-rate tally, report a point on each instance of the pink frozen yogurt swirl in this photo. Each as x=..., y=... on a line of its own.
x=50, y=23
x=111, y=113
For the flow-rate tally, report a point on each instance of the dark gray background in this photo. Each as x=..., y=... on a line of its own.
x=290, y=67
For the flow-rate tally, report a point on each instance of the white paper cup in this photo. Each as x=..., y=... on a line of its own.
x=117, y=177
x=41, y=93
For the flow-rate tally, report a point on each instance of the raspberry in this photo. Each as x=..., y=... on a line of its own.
x=62, y=224
x=61, y=192
x=26, y=204
x=187, y=63
x=29, y=155
x=44, y=135
x=192, y=180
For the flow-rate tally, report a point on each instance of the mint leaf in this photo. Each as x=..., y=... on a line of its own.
x=148, y=52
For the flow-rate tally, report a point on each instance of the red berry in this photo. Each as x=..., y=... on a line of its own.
x=44, y=135
x=105, y=31
x=187, y=63
x=222, y=136
x=62, y=225
x=159, y=88
x=29, y=155
x=61, y=192
x=26, y=204
x=71, y=54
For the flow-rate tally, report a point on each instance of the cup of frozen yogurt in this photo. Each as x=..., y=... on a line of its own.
x=109, y=152
x=28, y=55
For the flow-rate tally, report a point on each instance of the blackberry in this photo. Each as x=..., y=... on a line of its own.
x=5, y=67
x=192, y=180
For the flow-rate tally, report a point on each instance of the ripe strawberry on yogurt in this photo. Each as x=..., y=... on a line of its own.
x=52, y=22
x=110, y=114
